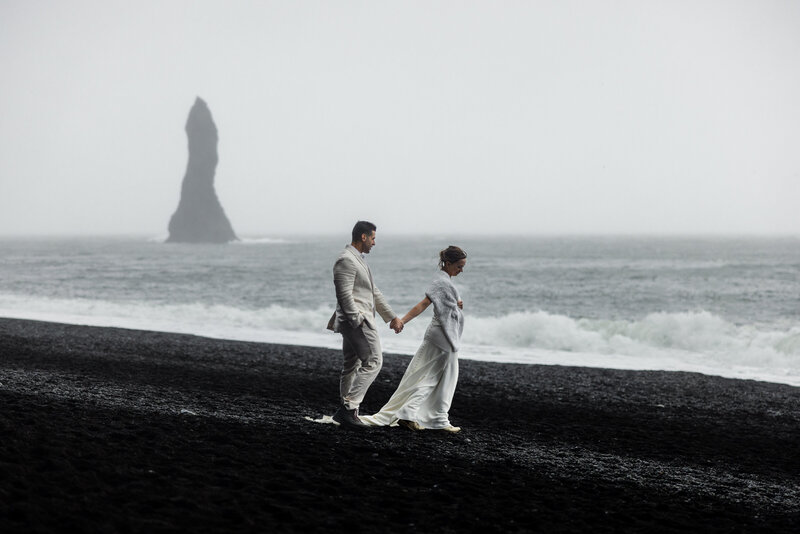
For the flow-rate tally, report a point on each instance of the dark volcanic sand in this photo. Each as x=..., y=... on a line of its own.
x=93, y=438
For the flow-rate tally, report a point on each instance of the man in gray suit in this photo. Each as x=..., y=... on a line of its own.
x=357, y=300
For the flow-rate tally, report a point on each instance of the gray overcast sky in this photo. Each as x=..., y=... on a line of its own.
x=457, y=117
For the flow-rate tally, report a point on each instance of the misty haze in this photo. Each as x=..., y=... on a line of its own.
x=586, y=239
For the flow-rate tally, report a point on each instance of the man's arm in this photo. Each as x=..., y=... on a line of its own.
x=344, y=276
x=381, y=306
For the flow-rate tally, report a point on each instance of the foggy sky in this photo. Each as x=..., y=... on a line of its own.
x=445, y=117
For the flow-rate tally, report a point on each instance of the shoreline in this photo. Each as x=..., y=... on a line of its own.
x=565, y=359
x=115, y=429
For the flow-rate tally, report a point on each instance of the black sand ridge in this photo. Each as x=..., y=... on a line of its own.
x=113, y=430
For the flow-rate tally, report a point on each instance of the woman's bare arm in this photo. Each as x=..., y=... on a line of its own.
x=416, y=310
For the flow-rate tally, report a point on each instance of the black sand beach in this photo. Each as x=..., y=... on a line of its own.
x=113, y=430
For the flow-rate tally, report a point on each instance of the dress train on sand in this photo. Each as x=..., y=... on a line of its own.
x=425, y=392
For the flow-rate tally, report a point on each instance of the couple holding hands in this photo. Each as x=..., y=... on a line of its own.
x=422, y=399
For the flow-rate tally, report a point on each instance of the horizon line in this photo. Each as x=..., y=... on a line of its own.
x=345, y=234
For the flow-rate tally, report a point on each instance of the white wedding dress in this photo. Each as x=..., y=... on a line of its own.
x=427, y=387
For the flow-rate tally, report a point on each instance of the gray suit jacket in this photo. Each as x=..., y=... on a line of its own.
x=357, y=297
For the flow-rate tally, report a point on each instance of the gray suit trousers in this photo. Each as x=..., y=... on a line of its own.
x=363, y=359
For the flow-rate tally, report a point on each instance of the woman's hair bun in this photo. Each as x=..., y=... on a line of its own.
x=451, y=254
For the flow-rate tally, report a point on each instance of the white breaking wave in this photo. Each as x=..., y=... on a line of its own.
x=162, y=238
x=274, y=324
x=260, y=241
x=689, y=341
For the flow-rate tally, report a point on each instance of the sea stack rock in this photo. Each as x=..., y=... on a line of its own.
x=200, y=217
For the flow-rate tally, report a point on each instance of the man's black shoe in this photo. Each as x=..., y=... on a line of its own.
x=348, y=418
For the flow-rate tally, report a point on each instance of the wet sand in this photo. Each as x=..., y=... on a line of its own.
x=114, y=430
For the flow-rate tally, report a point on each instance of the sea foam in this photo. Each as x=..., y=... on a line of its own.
x=688, y=341
x=260, y=241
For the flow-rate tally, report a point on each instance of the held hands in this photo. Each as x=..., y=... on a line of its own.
x=396, y=325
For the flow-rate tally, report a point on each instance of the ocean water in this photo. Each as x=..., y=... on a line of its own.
x=722, y=306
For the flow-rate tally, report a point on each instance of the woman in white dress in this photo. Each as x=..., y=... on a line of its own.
x=423, y=398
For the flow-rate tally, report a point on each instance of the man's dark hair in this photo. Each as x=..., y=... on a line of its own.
x=362, y=227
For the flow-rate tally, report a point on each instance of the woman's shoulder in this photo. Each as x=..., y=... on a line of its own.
x=439, y=281
x=440, y=277
x=442, y=289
